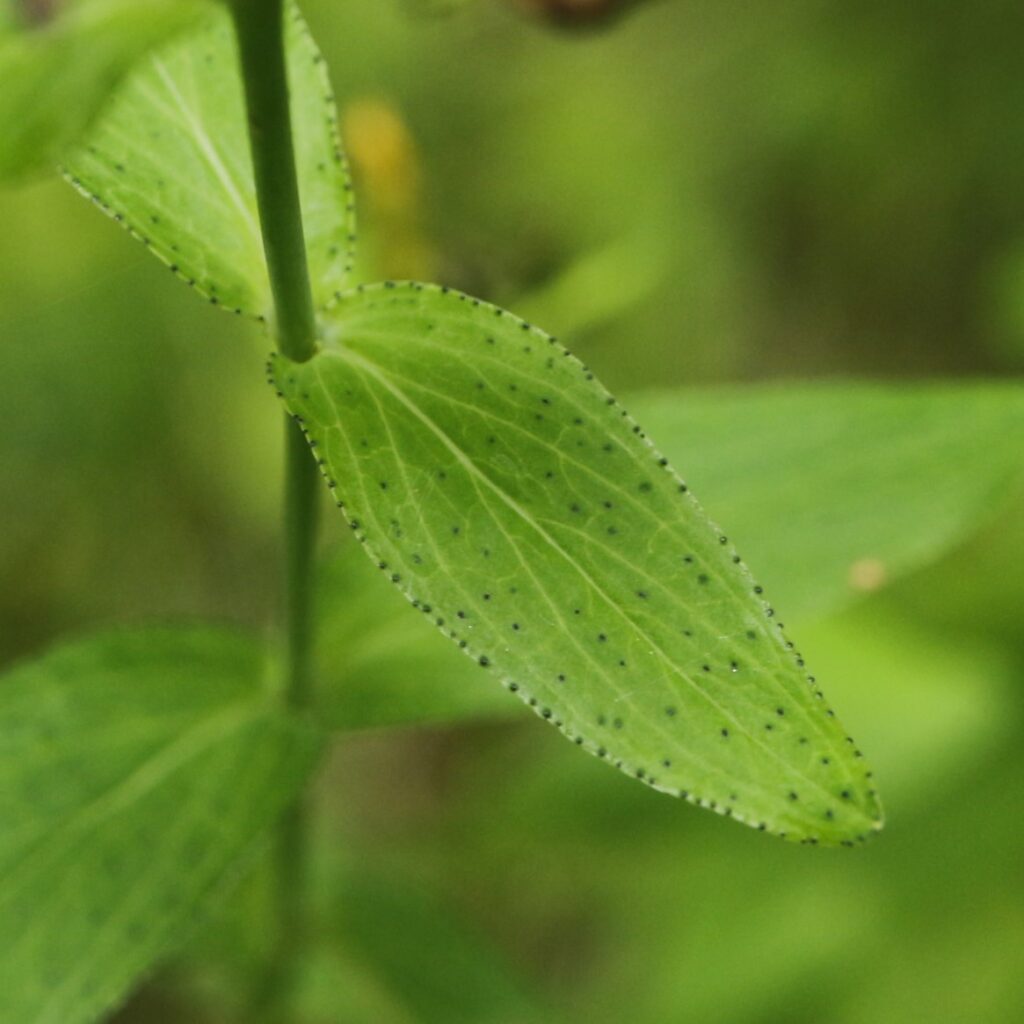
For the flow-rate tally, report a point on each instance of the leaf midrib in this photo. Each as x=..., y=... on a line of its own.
x=207, y=150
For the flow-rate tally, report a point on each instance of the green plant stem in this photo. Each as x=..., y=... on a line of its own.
x=259, y=26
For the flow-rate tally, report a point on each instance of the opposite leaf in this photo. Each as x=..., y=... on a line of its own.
x=169, y=157
x=519, y=507
x=135, y=770
x=58, y=73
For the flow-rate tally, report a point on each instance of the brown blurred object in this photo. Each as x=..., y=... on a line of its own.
x=37, y=12
x=386, y=165
x=867, y=574
x=577, y=13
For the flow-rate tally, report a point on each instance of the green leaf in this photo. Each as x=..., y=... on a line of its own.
x=170, y=159
x=835, y=488
x=136, y=769
x=56, y=75
x=518, y=506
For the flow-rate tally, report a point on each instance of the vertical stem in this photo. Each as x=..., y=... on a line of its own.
x=259, y=27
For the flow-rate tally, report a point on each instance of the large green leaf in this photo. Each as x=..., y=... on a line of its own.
x=57, y=74
x=136, y=769
x=902, y=473
x=170, y=159
x=516, y=504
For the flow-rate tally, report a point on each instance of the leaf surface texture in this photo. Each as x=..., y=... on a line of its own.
x=520, y=507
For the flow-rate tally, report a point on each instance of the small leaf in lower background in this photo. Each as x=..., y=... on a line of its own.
x=169, y=157
x=521, y=509
x=136, y=771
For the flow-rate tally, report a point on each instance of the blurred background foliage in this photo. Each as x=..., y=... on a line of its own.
x=723, y=196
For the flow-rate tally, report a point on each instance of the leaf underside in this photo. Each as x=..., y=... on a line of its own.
x=518, y=506
x=135, y=770
x=169, y=158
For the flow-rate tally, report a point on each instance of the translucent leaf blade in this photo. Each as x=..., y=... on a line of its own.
x=515, y=503
x=135, y=770
x=169, y=158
